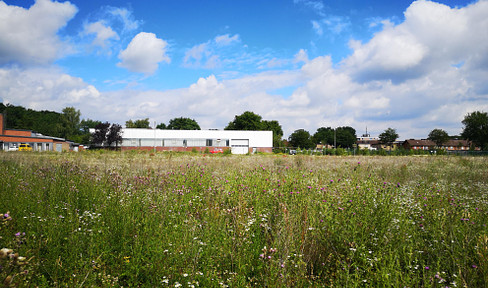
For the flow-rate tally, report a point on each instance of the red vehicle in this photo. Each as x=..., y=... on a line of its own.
x=217, y=151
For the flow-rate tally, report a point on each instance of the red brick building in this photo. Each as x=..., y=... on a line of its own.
x=12, y=138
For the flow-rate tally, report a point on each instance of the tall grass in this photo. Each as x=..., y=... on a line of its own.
x=179, y=220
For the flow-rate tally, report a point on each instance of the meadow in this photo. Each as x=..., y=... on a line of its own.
x=130, y=219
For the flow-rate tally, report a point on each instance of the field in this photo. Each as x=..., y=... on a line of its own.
x=108, y=219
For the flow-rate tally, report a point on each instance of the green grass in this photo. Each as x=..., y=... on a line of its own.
x=167, y=219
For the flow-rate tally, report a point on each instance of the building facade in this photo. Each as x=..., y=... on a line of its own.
x=238, y=142
x=10, y=139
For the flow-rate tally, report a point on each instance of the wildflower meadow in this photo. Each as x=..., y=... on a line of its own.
x=135, y=219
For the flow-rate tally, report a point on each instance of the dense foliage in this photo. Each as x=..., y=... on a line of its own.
x=139, y=123
x=183, y=123
x=476, y=128
x=136, y=220
x=64, y=125
x=344, y=137
x=301, y=139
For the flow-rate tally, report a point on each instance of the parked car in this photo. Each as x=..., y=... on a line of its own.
x=13, y=148
x=217, y=150
x=25, y=147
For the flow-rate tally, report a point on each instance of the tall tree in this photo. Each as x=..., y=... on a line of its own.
x=388, y=136
x=114, y=135
x=476, y=128
x=140, y=123
x=246, y=121
x=439, y=136
x=301, y=138
x=183, y=123
x=71, y=118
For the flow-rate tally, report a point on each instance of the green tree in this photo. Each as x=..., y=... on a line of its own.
x=324, y=136
x=388, y=136
x=161, y=126
x=71, y=118
x=439, y=136
x=183, y=123
x=141, y=123
x=301, y=138
x=476, y=128
x=345, y=137
x=246, y=121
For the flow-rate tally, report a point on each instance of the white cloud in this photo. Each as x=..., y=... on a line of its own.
x=211, y=54
x=317, y=27
x=29, y=36
x=432, y=36
x=301, y=56
x=103, y=34
x=144, y=53
x=316, y=6
x=225, y=40
x=197, y=55
x=45, y=89
x=125, y=16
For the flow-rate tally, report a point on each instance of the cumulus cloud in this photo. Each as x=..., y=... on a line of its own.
x=102, y=33
x=144, y=53
x=29, y=36
x=432, y=36
x=45, y=89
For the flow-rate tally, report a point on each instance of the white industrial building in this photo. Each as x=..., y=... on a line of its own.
x=239, y=142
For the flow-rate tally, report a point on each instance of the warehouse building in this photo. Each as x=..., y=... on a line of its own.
x=239, y=142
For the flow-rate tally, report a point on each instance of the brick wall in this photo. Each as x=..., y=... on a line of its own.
x=1, y=124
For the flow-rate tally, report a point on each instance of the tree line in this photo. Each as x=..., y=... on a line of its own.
x=69, y=125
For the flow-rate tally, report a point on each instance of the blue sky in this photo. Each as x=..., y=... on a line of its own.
x=410, y=65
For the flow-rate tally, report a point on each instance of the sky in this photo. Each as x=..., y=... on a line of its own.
x=410, y=65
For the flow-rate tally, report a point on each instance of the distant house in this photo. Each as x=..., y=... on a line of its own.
x=457, y=145
x=424, y=144
x=12, y=138
x=367, y=142
x=415, y=144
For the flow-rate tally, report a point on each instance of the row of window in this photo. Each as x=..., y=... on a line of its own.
x=175, y=142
